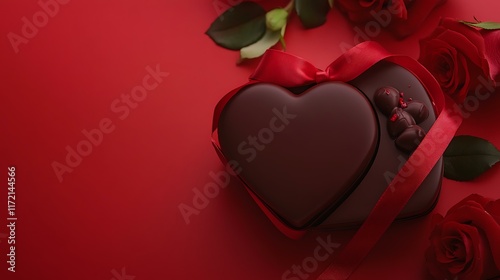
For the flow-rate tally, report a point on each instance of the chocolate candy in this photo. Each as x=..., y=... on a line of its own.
x=386, y=98
x=417, y=110
x=389, y=158
x=410, y=138
x=398, y=121
x=402, y=116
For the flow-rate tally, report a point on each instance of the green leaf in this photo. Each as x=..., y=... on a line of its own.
x=239, y=26
x=467, y=157
x=259, y=48
x=488, y=25
x=312, y=13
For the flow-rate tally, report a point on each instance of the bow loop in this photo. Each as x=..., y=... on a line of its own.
x=289, y=71
x=322, y=76
x=284, y=69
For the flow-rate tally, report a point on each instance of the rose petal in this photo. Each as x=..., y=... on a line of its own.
x=366, y=3
x=469, y=63
x=400, y=6
x=473, y=49
x=455, y=250
x=492, y=43
x=359, y=11
x=473, y=200
x=466, y=243
x=457, y=232
x=476, y=251
x=417, y=13
x=472, y=34
x=483, y=220
x=437, y=270
x=462, y=78
x=436, y=219
x=441, y=60
x=493, y=207
x=445, y=246
x=466, y=237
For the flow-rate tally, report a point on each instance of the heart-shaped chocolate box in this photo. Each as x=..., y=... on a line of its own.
x=321, y=157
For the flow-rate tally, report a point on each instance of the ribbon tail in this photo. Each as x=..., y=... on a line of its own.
x=396, y=196
x=356, y=61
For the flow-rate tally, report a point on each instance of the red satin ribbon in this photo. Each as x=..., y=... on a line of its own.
x=290, y=71
x=395, y=197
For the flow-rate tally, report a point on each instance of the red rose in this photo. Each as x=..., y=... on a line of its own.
x=465, y=245
x=492, y=44
x=402, y=17
x=461, y=57
x=360, y=11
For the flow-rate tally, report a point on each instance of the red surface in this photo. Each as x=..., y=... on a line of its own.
x=118, y=208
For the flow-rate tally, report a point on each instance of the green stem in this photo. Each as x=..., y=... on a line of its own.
x=289, y=7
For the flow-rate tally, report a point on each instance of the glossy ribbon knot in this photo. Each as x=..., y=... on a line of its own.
x=321, y=76
x=287, y=70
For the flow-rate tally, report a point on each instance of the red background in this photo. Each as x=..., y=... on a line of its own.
x=119, y=207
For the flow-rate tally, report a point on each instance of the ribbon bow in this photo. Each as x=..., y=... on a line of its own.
x=291, y=71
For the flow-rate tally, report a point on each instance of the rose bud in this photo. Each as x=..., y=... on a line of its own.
x=276, y=19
